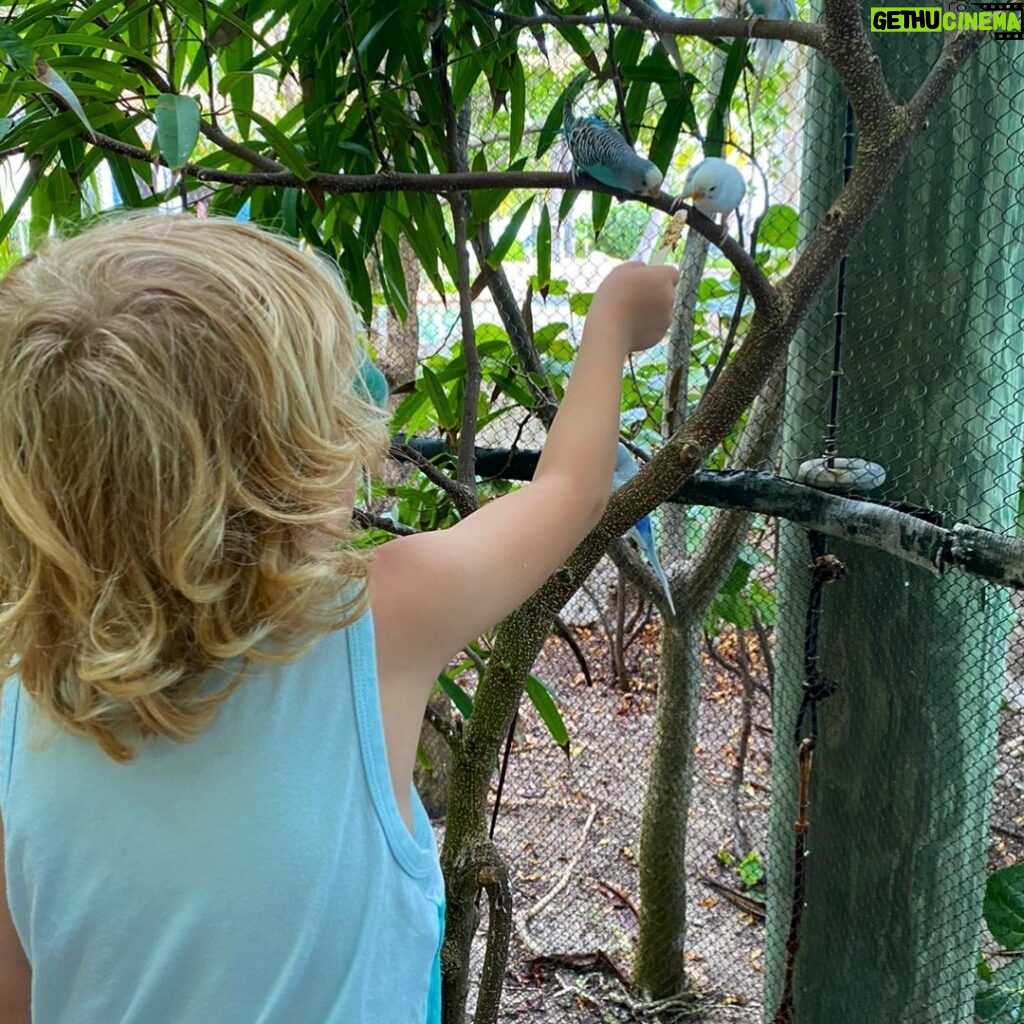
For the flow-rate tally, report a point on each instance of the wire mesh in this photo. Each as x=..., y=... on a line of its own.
x=916, y=779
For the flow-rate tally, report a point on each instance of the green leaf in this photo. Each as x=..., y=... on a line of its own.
x=600, y=206
x=737, y=578
x=393, y=275
x=124, y=178
x=284, y=149
x=6, y=124
x=41, y=212
x=751, y=869
x=457, y=694
x=510, y=385
x=517, y=108
x=508, y=236
x=734, y=62
x=85, y=40
x=1001, y=1000
x=579, y=302
x=467, y=71
x=371, y=34
x=779, y=226
x=543, y=249
x=666, y=134
x=544, y=336
x=763, y=601
x=446, y=415
x=45, y=74
x=549, y=713
x=1004, y=906
x=177, y=128
x=730, y=607
x=553, y=122
x=15, y=47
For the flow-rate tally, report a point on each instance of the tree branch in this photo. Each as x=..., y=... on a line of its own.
x=364, y=86
x=369, y=520
x=518, y=333
x=761, y=289
x=463, y=499
x=456, y=131
x=807, y=33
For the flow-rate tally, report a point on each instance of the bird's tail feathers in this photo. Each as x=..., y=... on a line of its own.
x=568, y=119
x=663, y=579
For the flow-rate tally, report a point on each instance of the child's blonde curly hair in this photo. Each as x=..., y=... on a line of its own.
x=179, y=419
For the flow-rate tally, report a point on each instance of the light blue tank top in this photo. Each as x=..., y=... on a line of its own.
x=261, y=874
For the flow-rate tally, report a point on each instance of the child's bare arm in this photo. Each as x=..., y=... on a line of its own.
x=15, y=973
x=433, y=593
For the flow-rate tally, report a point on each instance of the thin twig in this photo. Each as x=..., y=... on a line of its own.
x=441, y=725
x=620, y=94
x=464, y=501
x=369, y=520
x=619, y=894
x=364, y=87
x=522, y=925
x=205, y=44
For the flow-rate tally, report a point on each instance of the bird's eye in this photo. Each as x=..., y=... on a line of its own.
x=712, y=189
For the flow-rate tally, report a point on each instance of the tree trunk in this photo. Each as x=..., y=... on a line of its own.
x=659, y=957
x=903, y=769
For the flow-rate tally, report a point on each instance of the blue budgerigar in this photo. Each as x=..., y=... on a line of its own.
x=765, y=52
x=642, y=532
x=599, y=151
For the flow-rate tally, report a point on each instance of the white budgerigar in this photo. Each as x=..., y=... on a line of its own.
x=714, y=186
x=642, y=532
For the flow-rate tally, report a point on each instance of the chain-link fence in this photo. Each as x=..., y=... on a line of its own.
x=849, y=884
x=914, y=364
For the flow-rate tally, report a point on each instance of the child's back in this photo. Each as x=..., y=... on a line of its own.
x=180, y=428
x=260, y=873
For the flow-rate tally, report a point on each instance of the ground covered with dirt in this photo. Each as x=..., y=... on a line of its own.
x=570, y=827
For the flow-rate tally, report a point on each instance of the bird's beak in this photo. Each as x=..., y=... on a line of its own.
x=697, y=195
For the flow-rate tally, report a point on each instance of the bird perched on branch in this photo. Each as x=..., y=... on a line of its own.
x=714, y=186
x=599, y=151
x=765, y=52
x=641, y=532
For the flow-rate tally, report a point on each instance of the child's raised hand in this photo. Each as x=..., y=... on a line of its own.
x=636, y=300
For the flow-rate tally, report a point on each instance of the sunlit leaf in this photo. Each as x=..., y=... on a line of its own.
x=541, y=699
x=45, y=74
x=509, y=235
x=177, y=128
x=779, y=226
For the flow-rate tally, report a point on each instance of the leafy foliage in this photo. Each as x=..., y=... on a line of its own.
x=1000, y=995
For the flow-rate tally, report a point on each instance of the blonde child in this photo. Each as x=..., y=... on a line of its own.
x=212, y=701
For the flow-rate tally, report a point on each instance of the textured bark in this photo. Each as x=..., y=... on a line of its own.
x=777, y=317
x=664, y=825
x=932, y=379
x=659, y=968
